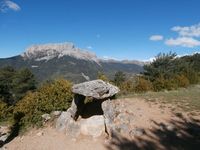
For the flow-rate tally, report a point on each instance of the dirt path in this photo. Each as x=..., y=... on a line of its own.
x=160, y=124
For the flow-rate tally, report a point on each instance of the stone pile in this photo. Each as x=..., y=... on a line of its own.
x=96, y=125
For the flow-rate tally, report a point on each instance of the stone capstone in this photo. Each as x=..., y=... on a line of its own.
x=97, y=89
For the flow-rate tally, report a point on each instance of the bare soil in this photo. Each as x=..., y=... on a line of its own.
x=164, y=129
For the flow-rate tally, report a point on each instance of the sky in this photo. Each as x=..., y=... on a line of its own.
x=119, y=29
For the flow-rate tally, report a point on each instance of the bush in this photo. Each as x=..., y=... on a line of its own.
x=102, y=76
x=3, y=110
x=182, y=81
x=143, y=85
x=127, y=87
x=6, y=112
x=50, y=97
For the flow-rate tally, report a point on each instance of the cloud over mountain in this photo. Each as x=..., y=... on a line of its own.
x=6, y=5
x=156, y=38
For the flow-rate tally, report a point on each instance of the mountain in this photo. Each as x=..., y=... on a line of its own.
x=49, y=61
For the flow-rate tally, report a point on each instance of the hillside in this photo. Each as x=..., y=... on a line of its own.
x=65, y=60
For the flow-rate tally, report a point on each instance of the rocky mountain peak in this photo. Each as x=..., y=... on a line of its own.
x=50, y=51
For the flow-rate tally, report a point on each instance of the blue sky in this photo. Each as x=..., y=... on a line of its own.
x=122, y=29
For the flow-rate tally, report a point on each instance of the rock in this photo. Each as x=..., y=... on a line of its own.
x=77, y=106
x=123, y=129
x=40, y=134
x=56, y=113
x=136, y=132
x=97, y=89
x=124, y=118
x=93, y=126
x=73, y=129
x=4, y=137
x=4, y=133
x=170, y=127
x=109, y=114
x=62, y=120
x=46, y=117
x=3, y=148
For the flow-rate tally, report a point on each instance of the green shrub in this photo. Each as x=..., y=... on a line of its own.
x=127, y=87
x=158, y=84
x=182, y=81
x=3, y=110
x=102, y=76
x=143, y=85
x=6, y=112
x=51, y=96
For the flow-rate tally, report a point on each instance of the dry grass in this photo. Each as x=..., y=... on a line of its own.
x=186, y=98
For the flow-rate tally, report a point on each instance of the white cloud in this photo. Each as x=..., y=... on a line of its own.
x=109, y=58
x=6, y=5
x=156, y=38
x=188, y=31
x=183, y=41
x=89, y=47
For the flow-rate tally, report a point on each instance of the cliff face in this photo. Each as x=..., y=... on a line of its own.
x=50, y=61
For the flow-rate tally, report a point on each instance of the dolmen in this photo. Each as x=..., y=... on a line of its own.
x=97, y=90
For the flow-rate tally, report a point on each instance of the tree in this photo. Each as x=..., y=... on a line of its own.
x=23, y=81
x=6, y=76
x=162, y=67
x=119, y=78
x=15, y=83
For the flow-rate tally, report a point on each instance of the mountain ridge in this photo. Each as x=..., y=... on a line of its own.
x=49, y=61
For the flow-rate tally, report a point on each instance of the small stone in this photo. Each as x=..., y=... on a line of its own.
x=40, y=134
x=46, y=117
x=179, y=135
x=170, y=128
x=56, y=113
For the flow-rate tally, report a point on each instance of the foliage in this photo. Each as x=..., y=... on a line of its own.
x=143, y=85
x=3, y=112
x=23, y=81
x=119, y=78
x=102, y=76
x=6, y=76
x=182, y=81
x=169, y=72
x=127, y=86
x=6, y=113
x=15, y=83
x=50, y=97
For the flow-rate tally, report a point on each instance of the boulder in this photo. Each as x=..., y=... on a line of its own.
x=93, y=126
x=109, y=114
x=62, y=121
x=97, y=89
x=73, y=129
